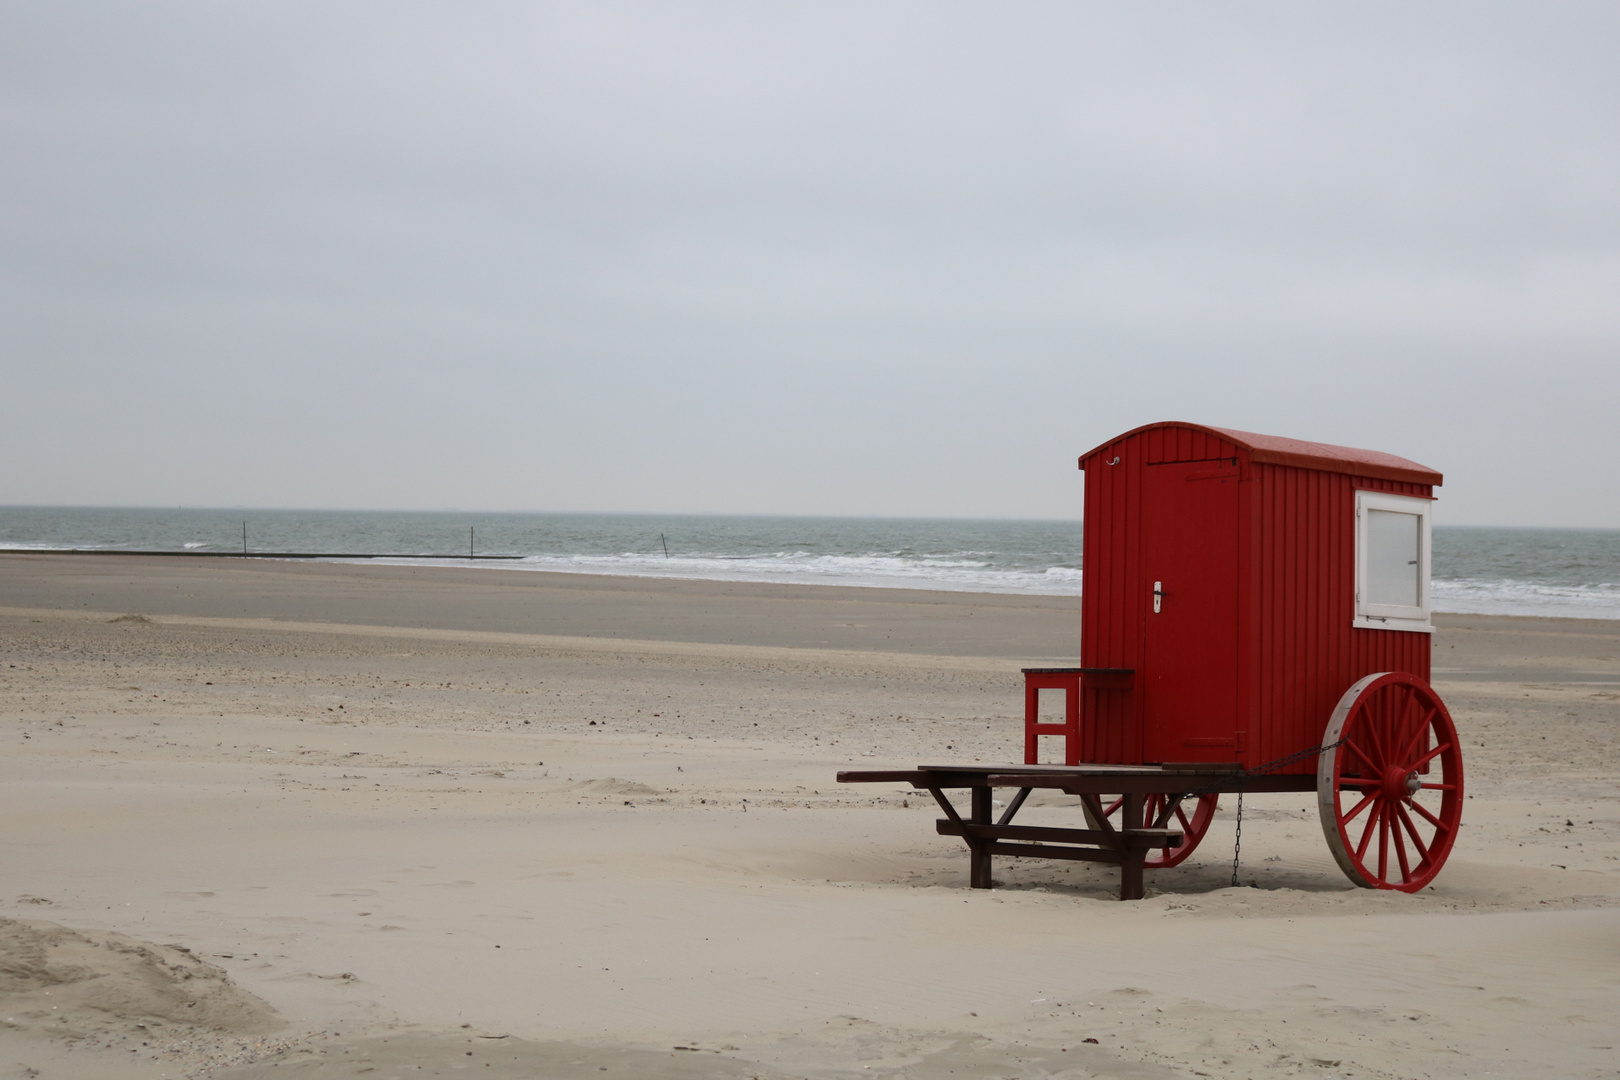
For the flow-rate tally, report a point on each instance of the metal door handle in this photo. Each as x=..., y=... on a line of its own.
x=1158, y=595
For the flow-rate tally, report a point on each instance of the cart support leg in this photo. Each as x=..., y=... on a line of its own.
x=1130, y=876
x=1130, y=867
x=978, y=850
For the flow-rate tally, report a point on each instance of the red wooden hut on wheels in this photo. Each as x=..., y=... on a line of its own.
x=1255, y=617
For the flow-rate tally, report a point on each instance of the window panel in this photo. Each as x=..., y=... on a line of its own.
x=1393, y=558
x=1392, y=562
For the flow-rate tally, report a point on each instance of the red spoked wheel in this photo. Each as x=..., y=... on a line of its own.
x=1389, y=814
x=1191, y=813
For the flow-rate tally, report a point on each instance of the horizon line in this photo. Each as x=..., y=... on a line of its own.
x=661, y=513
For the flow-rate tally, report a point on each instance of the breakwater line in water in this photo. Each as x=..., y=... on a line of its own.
x=1523, y=571
x=315, y=555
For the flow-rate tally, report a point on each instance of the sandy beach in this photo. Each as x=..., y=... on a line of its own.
x=266, y=819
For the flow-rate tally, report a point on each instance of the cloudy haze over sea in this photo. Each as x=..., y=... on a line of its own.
x=891, y=259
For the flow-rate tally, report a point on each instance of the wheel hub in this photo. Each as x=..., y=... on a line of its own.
x=1400, y=784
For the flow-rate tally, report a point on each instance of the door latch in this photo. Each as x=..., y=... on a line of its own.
x=1158, y=595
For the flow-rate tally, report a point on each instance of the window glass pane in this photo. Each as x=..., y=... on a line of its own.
x=1392, y=558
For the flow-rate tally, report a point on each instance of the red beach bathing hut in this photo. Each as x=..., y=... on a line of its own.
x=1246, y=581
x=1254, y=617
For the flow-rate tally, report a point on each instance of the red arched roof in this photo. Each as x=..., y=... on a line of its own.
x=1276, y=450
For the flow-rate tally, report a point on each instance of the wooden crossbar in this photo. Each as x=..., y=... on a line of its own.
x=1125, y=848
x=1148, y=839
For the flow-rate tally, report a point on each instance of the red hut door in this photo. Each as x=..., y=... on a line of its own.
x=1190, y=551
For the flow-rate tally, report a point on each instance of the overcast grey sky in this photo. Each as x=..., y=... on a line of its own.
x=873, y=258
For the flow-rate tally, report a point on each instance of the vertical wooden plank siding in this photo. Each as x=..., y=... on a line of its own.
x=1310, y=650
x=1114, y=598
x=1108, y=721
x=1298, y=649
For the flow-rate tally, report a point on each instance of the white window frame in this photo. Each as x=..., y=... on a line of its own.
x=1394, y=616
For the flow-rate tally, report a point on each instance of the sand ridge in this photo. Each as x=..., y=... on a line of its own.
x=77, y=985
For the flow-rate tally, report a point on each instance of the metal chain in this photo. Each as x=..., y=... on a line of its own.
x=1237, y=845
x=1260, y=770
x=1243, y=774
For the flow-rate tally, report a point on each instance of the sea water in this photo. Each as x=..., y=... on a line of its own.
x=1562, y=572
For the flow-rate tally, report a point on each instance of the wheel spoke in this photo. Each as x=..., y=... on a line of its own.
x=1430, y=756
x=1395, y=722
x=1439, y=787
x=1357, y=782
x=1417, y=841
x=1417, y=714
x=1383, y=841
x=1423, y=726
x=1366, y=800
x=1414, y=722
x=1113, y=807
x=1373, y=740
x=1372, y=823
x=1172, y=809
x=1430, y=818
x=1163, y=805
x=1362, y=754
x=1400, y=843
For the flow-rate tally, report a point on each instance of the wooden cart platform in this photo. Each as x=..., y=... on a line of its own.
x=1126, y=847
